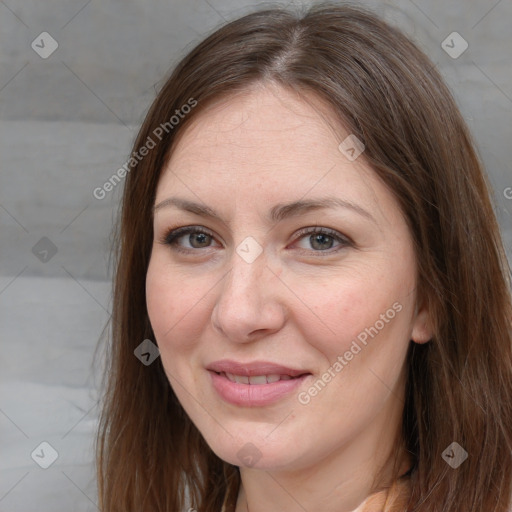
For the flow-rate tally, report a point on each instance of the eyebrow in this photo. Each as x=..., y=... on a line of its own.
x=277, y=213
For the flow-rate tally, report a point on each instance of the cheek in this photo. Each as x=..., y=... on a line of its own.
x=167, y=301
x=358, y=309
x=159, y=300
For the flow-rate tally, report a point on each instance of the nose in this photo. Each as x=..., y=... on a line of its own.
x=249, y=304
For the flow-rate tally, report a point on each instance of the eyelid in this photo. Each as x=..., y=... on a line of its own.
x=172, y=234
x=324, y=230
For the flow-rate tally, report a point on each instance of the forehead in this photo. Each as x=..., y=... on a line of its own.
x=269, y=145
x=265, y=130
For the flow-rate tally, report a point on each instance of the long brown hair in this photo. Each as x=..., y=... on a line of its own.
x=383, y=89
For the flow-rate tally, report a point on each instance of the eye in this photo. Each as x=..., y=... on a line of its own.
x=198, y=238
x=322, y=239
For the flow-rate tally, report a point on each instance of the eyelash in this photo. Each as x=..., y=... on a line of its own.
x=172, y=235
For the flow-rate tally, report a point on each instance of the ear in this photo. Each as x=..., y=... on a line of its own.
x=421, y=327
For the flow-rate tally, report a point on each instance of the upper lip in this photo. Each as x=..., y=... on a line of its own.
x=253, y=368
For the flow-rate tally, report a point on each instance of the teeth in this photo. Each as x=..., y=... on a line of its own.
x=256, y=379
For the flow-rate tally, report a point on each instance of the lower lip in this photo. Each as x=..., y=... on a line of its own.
x=254, y=395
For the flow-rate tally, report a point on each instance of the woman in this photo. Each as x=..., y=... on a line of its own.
x=307, y=236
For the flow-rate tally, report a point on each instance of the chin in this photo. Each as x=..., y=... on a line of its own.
x=253, y=451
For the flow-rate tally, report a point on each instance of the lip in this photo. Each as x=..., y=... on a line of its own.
x=253, y=368
x=254, y=395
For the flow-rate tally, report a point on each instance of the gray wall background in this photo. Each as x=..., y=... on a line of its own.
x=67, y=123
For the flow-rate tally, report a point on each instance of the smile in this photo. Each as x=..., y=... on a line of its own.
x=254, y=384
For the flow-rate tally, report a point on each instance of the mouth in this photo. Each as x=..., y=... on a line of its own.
x=254, y=384
x=256, y=379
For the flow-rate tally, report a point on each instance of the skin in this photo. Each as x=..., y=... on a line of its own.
x=300, y=303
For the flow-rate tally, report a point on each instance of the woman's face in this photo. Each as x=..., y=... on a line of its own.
x=251, y=295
